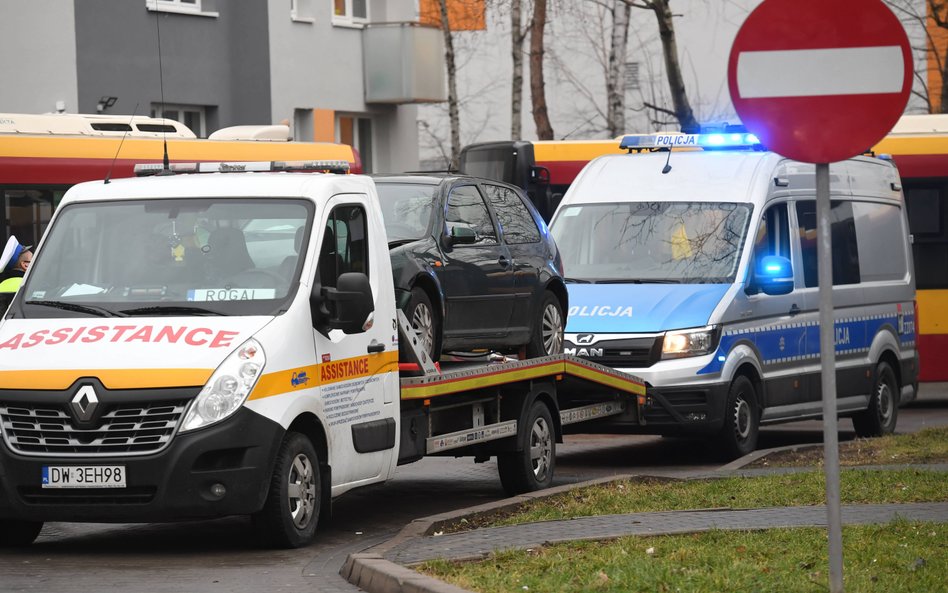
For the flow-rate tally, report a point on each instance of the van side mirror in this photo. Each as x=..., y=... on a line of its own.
x=460, y=235
x=774, y=275
x=346, y=306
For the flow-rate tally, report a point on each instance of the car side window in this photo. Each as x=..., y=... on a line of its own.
x=466, y=208
x=345, y=244
x=516, y=223
x=773, y=236
x=845, y=246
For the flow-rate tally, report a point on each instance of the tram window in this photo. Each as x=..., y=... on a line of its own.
x=923, y=210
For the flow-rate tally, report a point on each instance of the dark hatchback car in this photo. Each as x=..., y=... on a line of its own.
x=475, y=266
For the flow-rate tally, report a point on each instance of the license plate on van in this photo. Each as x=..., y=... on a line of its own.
x=84, y=476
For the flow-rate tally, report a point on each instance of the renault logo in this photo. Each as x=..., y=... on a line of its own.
x=585, y=338
x=84, y=403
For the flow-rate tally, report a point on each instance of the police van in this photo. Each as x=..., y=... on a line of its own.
x=695, y=267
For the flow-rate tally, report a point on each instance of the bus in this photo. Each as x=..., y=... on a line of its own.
x=41, y=156
x=918, y=144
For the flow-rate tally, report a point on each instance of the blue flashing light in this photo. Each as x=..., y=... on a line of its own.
x=710, y=141
x=775, y=267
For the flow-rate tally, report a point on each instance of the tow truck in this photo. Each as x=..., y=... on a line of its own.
x=222, y=339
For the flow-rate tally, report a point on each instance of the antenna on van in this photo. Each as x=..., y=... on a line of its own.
x=108, y=176
x=667, y=166
x=166, y=168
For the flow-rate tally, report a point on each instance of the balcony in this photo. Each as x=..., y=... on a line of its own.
x=404, y=63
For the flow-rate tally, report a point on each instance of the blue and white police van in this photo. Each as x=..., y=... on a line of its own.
x=695, y=268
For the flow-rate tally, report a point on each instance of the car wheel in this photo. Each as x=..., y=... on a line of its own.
x=738, y=436
x=546, y=335
x=14, y=533
x=424, y=320
x=530, y=468
x=883, y=411
x=289, y=515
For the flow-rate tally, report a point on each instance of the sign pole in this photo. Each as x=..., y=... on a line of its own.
x=828, y=364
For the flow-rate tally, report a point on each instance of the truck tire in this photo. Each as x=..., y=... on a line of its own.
x=546, y=335
x=530, y=468
x=738, y=436
x=290, y=514
x=883, y=411
x=14, y=533
x=424, y=319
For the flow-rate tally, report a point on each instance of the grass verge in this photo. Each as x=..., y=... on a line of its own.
x=901, y=557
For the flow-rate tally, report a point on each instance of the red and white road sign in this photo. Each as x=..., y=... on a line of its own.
x=820, y=81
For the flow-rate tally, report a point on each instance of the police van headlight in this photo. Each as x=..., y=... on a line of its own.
x=228, y=387
x=690, y=342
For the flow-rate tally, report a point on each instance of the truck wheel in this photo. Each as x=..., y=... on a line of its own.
x=546, y=336
x=289, y=515
x=423, y=318
x=530, y=468
x=883, y=411
x=738, y=437
x=14, y=532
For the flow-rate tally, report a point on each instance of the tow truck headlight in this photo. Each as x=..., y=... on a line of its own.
x=692, y=342
x=228, y=387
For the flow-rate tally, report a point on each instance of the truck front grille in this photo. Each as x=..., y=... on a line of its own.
x=123, y=428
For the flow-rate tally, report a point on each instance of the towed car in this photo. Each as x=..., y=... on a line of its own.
x=474, y=265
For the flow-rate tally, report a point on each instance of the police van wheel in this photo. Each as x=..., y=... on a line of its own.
x=883, y=411
x=14, y=532
x=546, y=337
x=290, y=514
x=738, y=437
x=530, y=468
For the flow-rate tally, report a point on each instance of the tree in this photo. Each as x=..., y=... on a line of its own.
x=517, y=37
x=666, y=29
x=929, y=44
x=453, y=115
x=537, y=86
x=615, y=75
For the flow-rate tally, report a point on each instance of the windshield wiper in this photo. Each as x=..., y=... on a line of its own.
x=577, y=281
x=399, y=242
x=638, y=281
x=170, y=310
x=87, y=309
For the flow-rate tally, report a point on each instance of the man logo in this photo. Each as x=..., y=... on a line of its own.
x=84, y=403
x=585, y=338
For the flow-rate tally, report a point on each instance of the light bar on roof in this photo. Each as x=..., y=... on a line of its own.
x=325, y=166
x=715, y=140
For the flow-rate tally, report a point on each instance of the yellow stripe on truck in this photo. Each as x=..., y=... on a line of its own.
x=326, y=373
x=111, y=378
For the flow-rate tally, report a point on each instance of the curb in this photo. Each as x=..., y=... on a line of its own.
x=753, y=456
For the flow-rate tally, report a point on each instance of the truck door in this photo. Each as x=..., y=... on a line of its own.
x=358, y=375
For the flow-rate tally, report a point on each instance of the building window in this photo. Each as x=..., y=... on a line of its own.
x=301, y=11
x=350, y=12
x=192, y=116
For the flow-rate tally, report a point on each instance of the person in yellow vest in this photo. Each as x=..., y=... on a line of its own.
x=14, y=261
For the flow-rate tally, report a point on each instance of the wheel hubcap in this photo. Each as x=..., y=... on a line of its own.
x=884, y=395
x=552, y=330
x=742, y=419
x=301, y=490
x=421, y=321
x=541, y=448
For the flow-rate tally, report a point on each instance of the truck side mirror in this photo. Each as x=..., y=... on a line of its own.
x=348, y=305
x=774, y=275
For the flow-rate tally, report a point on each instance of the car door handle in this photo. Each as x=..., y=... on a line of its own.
x=376, y=347
x=503, y=261
x=794, y=310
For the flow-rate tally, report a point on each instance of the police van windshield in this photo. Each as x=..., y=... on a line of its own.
x=680, y=242
x=169, y=257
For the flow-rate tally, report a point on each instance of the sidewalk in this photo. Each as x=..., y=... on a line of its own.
x=384, y=568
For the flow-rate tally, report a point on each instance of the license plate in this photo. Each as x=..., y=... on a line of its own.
x=84, y=476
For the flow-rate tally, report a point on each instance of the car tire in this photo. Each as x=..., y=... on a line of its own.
x=15, y=533
x=546, y=335
x=738, y=436
x=530, y=468
x=883, y=411
x=424, y=319
x=290, y=514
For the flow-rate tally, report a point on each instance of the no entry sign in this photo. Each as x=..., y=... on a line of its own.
x=820, y=81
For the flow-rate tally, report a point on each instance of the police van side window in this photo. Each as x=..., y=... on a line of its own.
x=345, y=244
x=845, y=245
x=773, y=235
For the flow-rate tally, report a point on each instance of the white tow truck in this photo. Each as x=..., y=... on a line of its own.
x=219, y=341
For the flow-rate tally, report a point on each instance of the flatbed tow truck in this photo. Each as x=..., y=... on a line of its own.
x=192, y=346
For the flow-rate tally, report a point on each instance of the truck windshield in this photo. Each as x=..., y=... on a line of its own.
x=686, y=242
x=406, y=209
x=215, y=256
